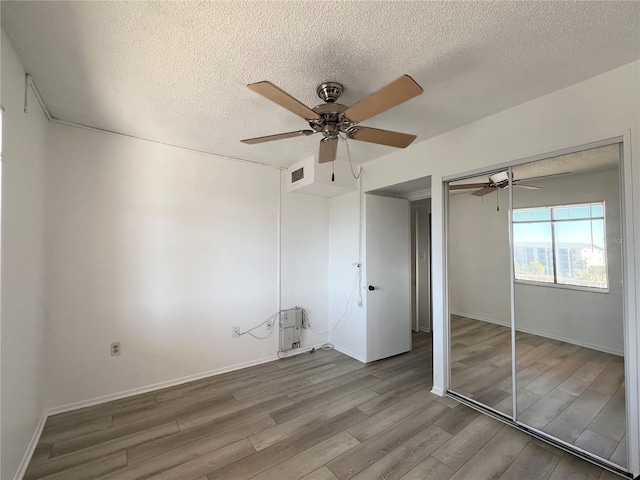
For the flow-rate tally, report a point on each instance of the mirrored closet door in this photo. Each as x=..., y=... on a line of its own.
x=479, y=293
x=536, y=300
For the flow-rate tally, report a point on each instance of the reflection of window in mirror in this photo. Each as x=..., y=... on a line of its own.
x=568, y=305
x=561, y=245
x=536, y=300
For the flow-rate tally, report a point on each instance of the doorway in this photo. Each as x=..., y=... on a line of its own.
x=417, y=192
x=421, y=311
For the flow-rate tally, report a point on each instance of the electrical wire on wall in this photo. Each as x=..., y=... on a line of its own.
x=345, y=315
x=360, y=233
x=272, y=318
x=358, y=178
x=356, y=288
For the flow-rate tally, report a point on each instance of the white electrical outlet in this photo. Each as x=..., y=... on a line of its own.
x=115, y=349
x=235, y=332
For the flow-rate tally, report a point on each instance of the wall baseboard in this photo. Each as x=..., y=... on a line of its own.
x=137, y=391
x=33, y=443
x=438, y=391
x=299, y=351
x=482, y=319
x=156, y=386
x=544, y=334
x=171, y=383
x=350, y=354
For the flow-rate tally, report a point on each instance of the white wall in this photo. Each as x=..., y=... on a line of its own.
x=165, y=250
x=22, y=315
x=479, y=268
x=161, y=249
x=602, y=107
x=586, y=318
x=156, y=247
x=305, y=262
x=479, y=281
x=350, y=336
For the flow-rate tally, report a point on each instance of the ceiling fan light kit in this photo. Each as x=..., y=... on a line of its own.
x=332, y=119
x=499, y=178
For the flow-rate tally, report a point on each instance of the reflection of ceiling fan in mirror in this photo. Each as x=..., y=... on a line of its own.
x=331, y=119
x=500, y=180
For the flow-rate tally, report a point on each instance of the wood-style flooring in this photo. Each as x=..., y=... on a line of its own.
x=319, y=416
x=571, y=392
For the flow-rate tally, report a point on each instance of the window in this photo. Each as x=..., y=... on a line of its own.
x=563, y=245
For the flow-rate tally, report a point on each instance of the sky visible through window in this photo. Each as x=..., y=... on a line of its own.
x=574, y=232
x=561, y=245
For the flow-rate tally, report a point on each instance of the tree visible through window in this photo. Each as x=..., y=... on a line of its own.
x=562, y=245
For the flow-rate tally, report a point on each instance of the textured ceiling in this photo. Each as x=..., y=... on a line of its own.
x=585, y=161
x=405, y=188
x=176, y=72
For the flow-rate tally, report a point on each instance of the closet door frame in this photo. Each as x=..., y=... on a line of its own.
x=630, y=230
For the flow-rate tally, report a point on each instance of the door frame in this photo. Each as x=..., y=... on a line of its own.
x=429, y=267
x=412, y=193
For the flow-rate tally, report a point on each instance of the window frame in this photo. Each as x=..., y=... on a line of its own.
x=552, y=221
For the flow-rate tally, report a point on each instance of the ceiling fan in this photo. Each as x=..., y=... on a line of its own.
x=500, y=180
x=330, y=118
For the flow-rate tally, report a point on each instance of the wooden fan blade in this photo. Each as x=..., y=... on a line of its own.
x=280, y=136
x=397, y=92
x=484, y=191
x=528, y=187
x=328, y=150
x=282, y=98
x=467, y=186
x=383, y=137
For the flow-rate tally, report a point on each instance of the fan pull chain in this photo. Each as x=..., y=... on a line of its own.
x=346, y=142
x=497, y=200
x=333, y=171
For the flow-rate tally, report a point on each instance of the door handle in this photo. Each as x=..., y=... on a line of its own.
x=371, y=288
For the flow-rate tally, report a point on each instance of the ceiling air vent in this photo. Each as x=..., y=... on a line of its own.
x=297, y=175
x=311, y=178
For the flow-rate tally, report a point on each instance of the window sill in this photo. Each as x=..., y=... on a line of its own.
x=563, y=286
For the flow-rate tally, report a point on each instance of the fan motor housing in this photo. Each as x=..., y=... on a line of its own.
x=329, y=91
x=333, y=121
x=329, y=110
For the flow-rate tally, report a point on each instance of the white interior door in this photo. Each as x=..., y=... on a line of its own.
x=388, y=275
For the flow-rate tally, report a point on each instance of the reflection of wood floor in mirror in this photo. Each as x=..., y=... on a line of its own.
x=571, y=392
